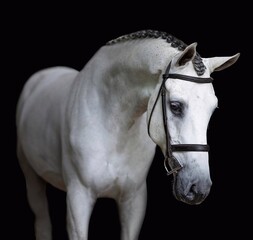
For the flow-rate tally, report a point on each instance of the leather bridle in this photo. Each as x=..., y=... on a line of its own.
x=171, y=161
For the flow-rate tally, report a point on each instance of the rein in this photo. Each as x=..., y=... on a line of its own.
x=171, y=161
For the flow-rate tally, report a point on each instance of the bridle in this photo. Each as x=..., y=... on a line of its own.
x=171, y=161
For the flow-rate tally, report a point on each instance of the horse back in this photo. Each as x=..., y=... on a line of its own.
x=40, y=116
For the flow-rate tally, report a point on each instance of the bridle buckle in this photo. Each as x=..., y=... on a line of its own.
x=173, y=164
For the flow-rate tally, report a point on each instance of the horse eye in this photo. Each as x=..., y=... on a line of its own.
x=176, y=108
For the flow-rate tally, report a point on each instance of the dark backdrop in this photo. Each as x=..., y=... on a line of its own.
x=43, y=35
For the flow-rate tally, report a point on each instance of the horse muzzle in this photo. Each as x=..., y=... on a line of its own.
x=191, y=192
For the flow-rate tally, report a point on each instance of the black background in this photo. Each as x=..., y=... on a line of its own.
x=42, y=35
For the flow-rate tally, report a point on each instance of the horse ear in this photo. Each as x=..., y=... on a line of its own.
x=187, y=55
x=220, y=63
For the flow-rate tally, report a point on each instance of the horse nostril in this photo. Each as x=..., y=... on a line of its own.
x=193, y=188
x=194, y=196
x=191, y=193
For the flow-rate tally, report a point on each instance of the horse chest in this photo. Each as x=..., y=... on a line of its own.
x=114, y=167
x=117, y=176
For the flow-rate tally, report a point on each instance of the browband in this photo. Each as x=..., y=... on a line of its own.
x=188, y=78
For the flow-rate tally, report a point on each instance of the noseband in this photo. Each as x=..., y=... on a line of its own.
x=170, y=161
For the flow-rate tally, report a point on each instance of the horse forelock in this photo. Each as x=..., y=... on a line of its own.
x=198, y=64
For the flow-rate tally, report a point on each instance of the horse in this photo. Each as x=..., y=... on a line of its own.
x=93, y=133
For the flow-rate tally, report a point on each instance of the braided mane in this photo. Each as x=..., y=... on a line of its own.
x=175, y=43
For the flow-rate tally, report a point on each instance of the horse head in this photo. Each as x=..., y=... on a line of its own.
x=178, y=115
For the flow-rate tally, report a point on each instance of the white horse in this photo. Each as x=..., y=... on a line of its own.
x=93, y=133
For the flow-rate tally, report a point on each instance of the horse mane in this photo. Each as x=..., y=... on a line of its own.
x=175, y=43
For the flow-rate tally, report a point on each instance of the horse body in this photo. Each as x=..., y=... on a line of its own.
x=86, y=132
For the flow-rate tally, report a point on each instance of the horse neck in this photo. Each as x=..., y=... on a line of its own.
x=124, y=76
